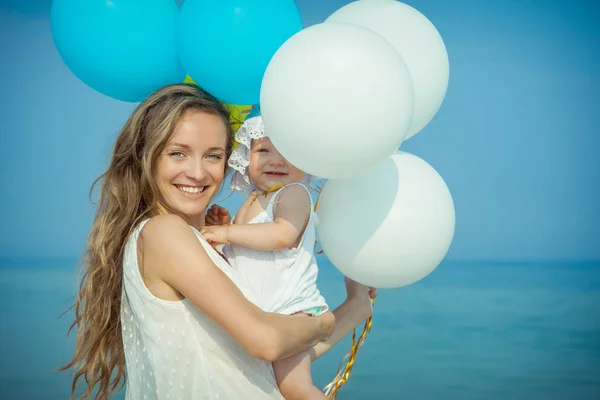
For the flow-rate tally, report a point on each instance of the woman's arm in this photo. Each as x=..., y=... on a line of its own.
x=291, y=214
x=173, y=254
x=356, y=309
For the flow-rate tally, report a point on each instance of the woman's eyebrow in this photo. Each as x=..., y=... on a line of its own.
x=182, y=145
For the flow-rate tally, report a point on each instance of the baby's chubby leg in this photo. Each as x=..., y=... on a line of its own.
x=294, y=379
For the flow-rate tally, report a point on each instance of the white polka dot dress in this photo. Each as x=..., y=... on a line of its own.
x=174, y=351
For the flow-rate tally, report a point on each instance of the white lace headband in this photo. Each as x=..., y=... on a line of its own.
x=252, y=128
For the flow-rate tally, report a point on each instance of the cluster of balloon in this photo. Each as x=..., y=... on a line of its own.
x=126, y=49
x=338, y=99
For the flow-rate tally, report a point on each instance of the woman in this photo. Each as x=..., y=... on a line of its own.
x=156, y=301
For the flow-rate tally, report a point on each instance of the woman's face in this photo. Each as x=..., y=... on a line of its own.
x=191, y=168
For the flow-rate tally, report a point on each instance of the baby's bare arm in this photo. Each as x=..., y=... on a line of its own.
x=291, y=213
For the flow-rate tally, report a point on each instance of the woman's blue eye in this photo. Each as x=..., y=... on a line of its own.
x=215, y=156
x=176, y=154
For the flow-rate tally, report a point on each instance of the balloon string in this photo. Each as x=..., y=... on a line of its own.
x=274, y=188
x=319, y=190
x=343, y=374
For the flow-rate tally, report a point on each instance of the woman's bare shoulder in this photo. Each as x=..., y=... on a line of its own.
x=165, y=234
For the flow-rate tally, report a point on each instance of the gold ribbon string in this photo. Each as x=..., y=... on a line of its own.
x=273, y=189
x=319, y=190
x=343, y=374
x=277, y=187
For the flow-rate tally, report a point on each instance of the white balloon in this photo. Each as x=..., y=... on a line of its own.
x=419, y=43
x=336, y=99
x=390, y=226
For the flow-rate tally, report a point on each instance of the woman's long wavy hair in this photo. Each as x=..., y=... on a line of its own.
x=127, y=195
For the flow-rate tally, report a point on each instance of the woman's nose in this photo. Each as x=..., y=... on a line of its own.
x=195, y=170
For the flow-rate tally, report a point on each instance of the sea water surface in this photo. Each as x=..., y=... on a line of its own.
x=468, y=331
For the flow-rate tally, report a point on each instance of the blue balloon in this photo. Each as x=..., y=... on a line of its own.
x=226, y=45
x=255, y=112
x=124, y=49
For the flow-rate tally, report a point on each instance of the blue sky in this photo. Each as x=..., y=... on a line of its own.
x=516, y=138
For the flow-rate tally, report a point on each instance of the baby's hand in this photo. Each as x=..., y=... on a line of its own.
x=215, y=234
x=217, y=215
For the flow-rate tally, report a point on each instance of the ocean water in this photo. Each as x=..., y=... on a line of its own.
x=467, y=331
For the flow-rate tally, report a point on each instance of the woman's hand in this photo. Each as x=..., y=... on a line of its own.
x=217, y=215
x=360, y=296
x=356, y=309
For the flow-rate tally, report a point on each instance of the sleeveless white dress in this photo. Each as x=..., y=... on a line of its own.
x=283, y=281
x=174, y=351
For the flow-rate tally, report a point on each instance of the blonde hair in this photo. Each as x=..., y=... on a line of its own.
x=127, y=195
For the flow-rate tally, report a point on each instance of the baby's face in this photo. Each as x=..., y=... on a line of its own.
x=268, y=168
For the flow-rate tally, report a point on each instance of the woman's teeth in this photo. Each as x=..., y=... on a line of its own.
x=191, y=189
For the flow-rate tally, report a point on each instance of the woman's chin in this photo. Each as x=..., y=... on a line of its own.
x=193, y=214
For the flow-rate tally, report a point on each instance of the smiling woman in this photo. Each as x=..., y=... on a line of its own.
x=156, y=301
x=191, y=167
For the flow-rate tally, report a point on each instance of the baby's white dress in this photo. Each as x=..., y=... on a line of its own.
x=283, y=281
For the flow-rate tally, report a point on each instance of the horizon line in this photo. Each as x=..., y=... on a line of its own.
x=53, y=260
